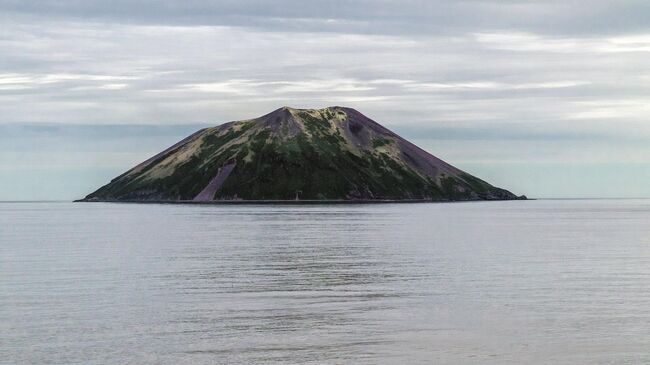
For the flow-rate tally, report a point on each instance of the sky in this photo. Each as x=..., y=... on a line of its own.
x=545, y=98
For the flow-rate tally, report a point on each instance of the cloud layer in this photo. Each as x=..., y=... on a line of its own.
x=477, y=82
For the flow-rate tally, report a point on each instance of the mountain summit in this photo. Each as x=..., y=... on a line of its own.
x=334, y=153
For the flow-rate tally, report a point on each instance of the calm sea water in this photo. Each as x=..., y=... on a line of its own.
x=541, y=282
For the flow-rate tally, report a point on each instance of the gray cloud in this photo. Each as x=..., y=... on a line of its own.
x=359, y=16
x=528, y=81
x=88, y=72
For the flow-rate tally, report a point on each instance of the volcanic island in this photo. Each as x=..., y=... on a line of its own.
x=334, y=154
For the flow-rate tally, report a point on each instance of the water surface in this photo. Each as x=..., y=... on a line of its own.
x=563, y=282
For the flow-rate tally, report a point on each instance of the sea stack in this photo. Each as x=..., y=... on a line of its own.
x=330, y=154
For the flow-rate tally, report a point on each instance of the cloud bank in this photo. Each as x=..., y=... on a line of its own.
x=481, y=83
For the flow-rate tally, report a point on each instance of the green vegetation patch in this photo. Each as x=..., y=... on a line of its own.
x=319, y=168
x=380, y=141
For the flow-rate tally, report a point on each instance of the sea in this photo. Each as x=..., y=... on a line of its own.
x=512, y=282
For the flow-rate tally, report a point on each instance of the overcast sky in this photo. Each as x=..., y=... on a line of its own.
x=545, y=98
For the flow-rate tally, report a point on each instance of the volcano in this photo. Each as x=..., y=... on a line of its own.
x=330, y=154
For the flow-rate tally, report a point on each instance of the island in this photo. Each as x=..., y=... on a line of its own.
x=334, y=154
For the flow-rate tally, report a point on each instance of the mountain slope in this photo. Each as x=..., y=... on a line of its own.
x=333, y=153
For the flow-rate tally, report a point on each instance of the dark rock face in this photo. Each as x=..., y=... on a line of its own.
x=334, y=153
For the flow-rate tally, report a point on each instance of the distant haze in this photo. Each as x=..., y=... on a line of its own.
x=543, y=98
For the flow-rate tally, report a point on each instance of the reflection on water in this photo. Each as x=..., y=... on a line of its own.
x=503, y=282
